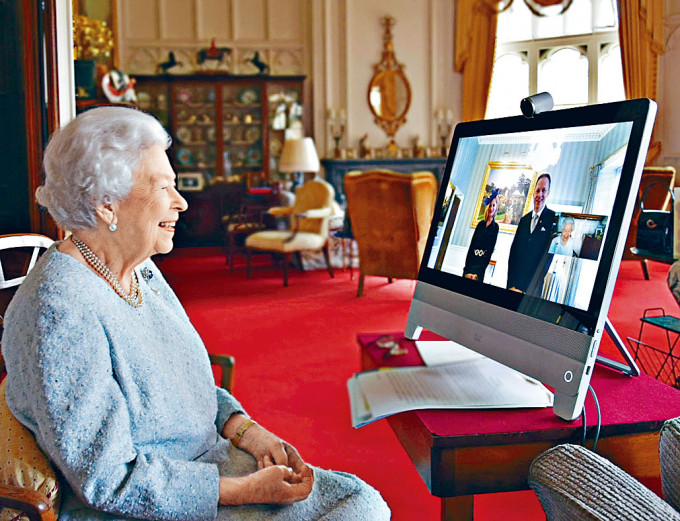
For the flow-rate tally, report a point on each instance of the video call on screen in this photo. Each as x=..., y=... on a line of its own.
x=555, y=258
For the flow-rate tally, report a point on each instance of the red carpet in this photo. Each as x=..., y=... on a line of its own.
x=295, y=348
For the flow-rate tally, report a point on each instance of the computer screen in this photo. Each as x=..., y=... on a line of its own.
x=527, y=236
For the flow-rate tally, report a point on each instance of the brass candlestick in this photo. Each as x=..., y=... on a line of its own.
x=444, y=127
x=336, y=126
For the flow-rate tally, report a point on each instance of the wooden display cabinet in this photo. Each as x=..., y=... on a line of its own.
x=223, y=128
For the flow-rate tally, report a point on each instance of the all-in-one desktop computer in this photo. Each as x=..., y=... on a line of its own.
x=537, y=296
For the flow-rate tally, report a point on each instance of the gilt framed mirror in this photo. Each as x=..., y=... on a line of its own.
x=389, y=91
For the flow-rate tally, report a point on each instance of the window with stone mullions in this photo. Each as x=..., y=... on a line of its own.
x=579, y=64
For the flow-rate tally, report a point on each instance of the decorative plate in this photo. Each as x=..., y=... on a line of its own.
x=144, y=100
x=210, y=134
x=291, y=96
x=254, y=156
x=275, y=147
x=183, y=96
x=185, y=157
x=183, y=134
x=239, y=158
x=210, y=156
x=226, y=133
x=252, y=134
x=248, y=96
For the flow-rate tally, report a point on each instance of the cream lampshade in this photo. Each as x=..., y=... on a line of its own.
x=299, y=155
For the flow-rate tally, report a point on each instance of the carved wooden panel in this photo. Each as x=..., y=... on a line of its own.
x=139, y=20
x=177, y=20
x=286, y=20
x=274, y=29
x=250, y=19
x=214, y=20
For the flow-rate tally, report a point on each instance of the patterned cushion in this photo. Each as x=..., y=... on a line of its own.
x=22, y=463
x=276, y=240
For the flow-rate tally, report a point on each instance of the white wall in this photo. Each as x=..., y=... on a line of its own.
x=348, y=42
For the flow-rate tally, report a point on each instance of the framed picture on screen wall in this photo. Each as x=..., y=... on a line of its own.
x=514, y=180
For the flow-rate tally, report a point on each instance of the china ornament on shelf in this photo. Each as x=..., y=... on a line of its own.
x=119, y=87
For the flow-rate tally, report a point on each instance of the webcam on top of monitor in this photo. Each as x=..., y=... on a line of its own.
x=535, y=104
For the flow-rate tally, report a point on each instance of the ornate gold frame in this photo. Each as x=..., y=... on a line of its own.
x=389, y=68
x=510, y=167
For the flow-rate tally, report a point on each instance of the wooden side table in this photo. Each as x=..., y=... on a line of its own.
x=460, y=453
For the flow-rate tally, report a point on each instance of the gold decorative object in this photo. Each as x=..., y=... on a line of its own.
x=336, y=126
x=389, y=92
x=92, y=39
x=444, y=128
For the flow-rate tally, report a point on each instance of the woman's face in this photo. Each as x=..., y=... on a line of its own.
x=147, y=217
x=566, y=232
x=492, y=209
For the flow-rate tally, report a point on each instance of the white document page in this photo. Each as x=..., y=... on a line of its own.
x=438, y=352
x=476, y=384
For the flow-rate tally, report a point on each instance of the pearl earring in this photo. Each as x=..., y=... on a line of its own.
x=113, y=227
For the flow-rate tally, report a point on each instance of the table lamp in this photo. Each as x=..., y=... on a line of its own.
x=298, y=156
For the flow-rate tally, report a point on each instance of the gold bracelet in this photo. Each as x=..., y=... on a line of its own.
x=241, y=431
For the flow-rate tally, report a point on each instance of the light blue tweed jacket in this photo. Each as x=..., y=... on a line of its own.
x=122, y=399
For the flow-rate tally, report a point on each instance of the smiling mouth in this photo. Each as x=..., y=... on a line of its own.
x=168, y=226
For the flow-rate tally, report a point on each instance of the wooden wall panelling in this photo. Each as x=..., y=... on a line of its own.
x=214, y=20
x=250, y=20
x=138, y=21
x=285, y=20
x=150, y=29
x=177, y=20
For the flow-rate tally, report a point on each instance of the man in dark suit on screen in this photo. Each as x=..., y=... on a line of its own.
x=528, y=259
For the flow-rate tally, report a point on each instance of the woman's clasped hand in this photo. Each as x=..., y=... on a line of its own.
x=282, y=477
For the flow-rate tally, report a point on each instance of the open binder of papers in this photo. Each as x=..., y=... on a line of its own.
x=471, y=382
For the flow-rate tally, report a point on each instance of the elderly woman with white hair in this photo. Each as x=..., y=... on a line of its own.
x=563, y=244
x=105, y=368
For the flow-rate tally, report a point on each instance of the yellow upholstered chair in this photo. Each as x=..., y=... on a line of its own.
x=28, y=483
x=309, y=218
x=391, y=215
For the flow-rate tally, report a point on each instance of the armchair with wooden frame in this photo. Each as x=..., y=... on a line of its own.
x=309, y=218
x=663, y=178
x=391, y=215
x=28, y=482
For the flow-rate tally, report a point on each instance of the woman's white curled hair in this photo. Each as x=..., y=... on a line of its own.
x=91, y=161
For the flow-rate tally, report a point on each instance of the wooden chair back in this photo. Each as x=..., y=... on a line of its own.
x=658, y=198
x=391, y=214
x=13, y=269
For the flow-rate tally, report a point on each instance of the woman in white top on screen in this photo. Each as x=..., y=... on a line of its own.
x=563, y=244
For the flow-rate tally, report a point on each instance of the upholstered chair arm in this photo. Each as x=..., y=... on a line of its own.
x=33, y=504
x=280, y=210
x=315, y=213
x=669, y=453
x=226, y=363
x=574, y=483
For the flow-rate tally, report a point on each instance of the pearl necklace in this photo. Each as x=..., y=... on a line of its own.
x=134, y=298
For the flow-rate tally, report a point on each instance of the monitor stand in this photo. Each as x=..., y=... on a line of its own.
x=631, y=369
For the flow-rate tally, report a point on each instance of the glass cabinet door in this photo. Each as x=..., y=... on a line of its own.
x=242, y=129
x=152, y=97
x=284, y=102
x=195, y=131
